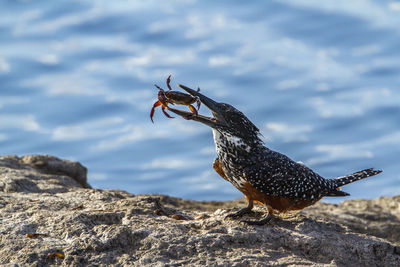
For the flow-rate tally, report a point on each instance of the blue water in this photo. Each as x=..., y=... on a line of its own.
x=321, y=79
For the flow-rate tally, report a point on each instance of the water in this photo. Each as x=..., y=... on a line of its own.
x=320, y=78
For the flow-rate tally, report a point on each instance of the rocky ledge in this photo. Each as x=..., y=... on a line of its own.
x=51, y=216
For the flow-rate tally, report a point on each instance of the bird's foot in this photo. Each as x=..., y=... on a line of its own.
x=239, y=213
x=263, y=221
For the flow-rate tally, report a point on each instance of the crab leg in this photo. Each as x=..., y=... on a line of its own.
x=158, y=87
x=194, y=111
x=168, y=82
x=165, y=113
x=158, y=103
x=198, y=101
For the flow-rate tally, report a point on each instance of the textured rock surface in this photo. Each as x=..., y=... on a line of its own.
x=50, y=197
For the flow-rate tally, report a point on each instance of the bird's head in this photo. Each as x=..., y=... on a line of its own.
x=226, y=119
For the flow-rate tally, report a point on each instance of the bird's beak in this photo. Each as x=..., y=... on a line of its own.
x=211, y=104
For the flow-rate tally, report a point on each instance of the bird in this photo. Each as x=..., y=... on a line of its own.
x=263, y=175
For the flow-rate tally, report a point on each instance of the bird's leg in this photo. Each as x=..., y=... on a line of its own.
x=218, y=168
x=242, y=211
x=247, y=210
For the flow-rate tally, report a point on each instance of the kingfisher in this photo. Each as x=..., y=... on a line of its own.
x=264, y=176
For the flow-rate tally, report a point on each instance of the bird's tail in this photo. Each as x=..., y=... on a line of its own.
x=343, y=180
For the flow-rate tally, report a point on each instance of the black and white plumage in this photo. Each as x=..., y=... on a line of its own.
x=244, y=158
x=262, y=174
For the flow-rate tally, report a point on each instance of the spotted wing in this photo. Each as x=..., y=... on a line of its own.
x=278, y=175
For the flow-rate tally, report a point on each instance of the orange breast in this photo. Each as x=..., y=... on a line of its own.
x=218, y=168
x=277, y=203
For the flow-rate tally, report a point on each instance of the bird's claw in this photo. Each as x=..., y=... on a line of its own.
x=239, y=213
x=263, y=221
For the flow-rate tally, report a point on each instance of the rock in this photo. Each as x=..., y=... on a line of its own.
x=52, y=165
x=40, y=173
x=51, y=216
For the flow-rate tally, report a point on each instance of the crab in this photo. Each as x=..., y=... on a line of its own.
x=174, y=97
